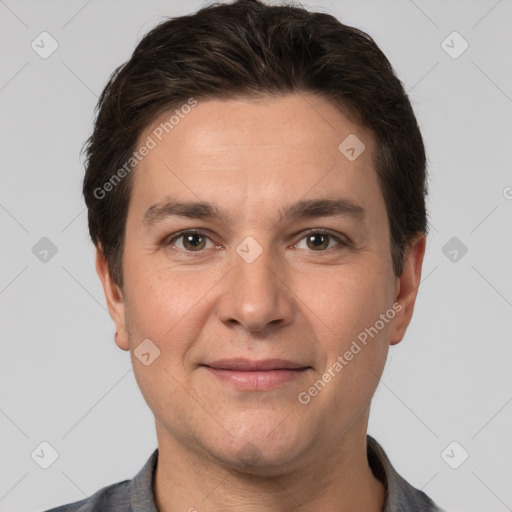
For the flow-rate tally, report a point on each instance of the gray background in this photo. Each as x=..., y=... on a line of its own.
x=64, y=381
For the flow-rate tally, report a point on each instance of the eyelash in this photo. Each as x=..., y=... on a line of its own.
x=332, y=234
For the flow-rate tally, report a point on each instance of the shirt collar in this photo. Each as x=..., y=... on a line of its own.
x=400, y=495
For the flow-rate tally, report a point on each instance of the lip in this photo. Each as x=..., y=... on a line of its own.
x=256, y=375
x=247, y=365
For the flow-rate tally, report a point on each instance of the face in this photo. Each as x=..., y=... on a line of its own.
x=270, y=306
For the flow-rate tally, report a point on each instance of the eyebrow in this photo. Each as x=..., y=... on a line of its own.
x=303, y=209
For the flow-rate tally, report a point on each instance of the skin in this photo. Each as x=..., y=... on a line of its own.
x=222, y=448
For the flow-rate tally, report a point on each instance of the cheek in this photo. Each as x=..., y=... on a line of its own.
x=163, y=303
x=357, y=340
x=347, y=301
x=164, y=307
x=355, y=344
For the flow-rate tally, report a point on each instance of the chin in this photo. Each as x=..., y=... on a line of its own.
x=261, y=455
x=250, y=460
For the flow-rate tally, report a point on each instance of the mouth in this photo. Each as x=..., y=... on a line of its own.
x=256, y=375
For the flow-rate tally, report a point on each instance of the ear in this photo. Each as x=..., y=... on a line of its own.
x=114, y=298
x=407, y=288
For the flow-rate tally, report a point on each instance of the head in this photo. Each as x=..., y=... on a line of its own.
x=298, y=146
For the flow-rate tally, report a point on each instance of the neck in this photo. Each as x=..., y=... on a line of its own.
x=339, y=480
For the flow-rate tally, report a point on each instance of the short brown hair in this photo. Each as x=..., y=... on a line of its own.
x=248, y=49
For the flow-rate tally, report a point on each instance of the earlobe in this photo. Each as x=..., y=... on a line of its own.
x=407, y=287
x=114, y=298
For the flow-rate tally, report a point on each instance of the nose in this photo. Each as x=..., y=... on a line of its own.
x=256, y=295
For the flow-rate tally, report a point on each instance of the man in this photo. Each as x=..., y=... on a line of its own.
x=255, y=186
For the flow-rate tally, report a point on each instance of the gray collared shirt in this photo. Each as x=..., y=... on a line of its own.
x=137, y=495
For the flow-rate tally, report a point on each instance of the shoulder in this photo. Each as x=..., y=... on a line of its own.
x=113, y=498
x=135, y=495
x=401, y=496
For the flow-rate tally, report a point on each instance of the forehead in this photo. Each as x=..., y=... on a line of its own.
x=265, y=151
x=301, y=122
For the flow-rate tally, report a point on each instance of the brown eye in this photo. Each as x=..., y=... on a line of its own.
x=190, y=241
x=321, y=241
x=194, y=241
x=318, y=241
